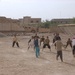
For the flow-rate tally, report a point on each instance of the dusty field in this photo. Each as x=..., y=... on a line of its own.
x=20, y=61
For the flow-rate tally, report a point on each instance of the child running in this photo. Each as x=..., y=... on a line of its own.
x=31, y=43
x=69, y=42
x=15, y=41
x=73, y=46
x=42, y=40
x=59, y=49
x=37, y=46
x=46, y=43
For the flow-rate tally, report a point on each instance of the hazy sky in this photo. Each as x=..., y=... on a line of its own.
x=45, y=9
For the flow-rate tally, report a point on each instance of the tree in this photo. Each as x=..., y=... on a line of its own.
x=74, y=20
x=46, y=24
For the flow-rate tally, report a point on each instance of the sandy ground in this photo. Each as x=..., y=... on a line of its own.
x=20, y=61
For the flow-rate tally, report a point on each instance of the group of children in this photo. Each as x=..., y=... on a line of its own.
x=35, y=43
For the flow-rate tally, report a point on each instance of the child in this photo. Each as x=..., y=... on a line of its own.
x=31, y=42
x=59, y=49
x=69, y=42
x=46, y=43
x=56, y=37
x=36, y=45
x=15, y=41
x=73, y=46
x=42, y=40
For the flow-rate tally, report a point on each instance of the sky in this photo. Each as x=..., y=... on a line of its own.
x=45, y=9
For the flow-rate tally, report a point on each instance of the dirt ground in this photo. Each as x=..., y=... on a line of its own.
x=20, y=61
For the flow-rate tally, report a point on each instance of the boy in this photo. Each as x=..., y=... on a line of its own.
x=69, y=42
x=31, y=42
x=46, y=43
x=36, y=45
x=73, y=46
x=15, y=41
x=42, y=40
x=59, y=49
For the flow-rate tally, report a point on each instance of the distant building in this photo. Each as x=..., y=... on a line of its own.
x=18, y=25
x=28, y=21
x=62, y=21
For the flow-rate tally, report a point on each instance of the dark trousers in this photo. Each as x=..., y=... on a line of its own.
x=44, y=46
x=69, y=44
x=14, y=42
x=59, y=53
x=73, y=50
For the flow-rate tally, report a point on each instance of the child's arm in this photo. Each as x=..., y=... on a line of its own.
x=29, y=41
x=63, y=45
x=53, y=43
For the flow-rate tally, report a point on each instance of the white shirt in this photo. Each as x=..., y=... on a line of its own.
x=32, y=42
x=73, y=42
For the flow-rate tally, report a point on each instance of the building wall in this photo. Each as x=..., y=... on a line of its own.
x=10, y=27
x=30, y=21
x=5, y=27
x=8, y=24
x=62, y=21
